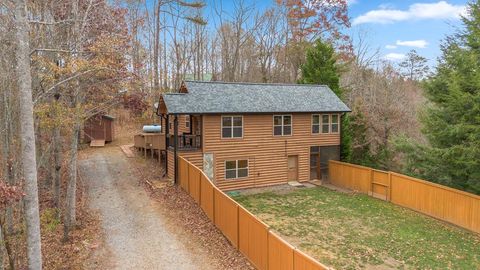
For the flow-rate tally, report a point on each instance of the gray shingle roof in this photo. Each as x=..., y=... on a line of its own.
x=222, y=97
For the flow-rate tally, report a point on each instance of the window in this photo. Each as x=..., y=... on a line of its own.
x=325, y=123
x=335, y=123
x=236, y=169
x=316, y=123
x=232, y=127
x=282, y=125
x=187, y=121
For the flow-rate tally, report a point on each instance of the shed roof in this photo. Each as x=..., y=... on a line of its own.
x=222, y=97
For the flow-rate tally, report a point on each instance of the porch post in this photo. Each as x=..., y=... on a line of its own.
x=167, y=142
x=175, y=146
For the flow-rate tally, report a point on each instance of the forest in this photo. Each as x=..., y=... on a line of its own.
x=62, y=62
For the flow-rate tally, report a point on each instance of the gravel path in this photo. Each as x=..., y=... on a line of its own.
x=137, y=234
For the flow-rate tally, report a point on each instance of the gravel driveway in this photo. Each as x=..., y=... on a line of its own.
x=137, y=234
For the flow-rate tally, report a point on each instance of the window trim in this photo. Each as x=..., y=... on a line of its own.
x=187, y=121
x=338, y=123
x=320, y=123
x=282, y=125
x=236, y=169
x=221, y=127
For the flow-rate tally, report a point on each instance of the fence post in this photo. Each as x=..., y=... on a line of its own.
x=389, y=199
x=370, y=192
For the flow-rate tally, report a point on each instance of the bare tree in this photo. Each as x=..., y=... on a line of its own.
x=28, y=153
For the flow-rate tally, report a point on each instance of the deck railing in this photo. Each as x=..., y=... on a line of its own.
x=186, y=142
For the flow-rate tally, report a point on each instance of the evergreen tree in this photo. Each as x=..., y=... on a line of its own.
x=321, y=68
x=452, y=122
x=414, y=67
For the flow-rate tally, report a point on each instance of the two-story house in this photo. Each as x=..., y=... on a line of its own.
x=252, y=134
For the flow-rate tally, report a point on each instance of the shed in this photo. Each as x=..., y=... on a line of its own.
x=99, y=128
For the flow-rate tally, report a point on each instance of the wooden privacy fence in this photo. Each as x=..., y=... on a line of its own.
x=253, y=238
x=444, y=203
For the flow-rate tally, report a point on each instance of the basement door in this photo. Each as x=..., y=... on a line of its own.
x=319, y=157
x=292, y=168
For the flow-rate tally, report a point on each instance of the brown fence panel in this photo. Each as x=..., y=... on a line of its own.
x=194, y=183
x=183, y=169
x=350, y=176
x=304, y=262
x=280, y=253
x=253, y=238
x=226, y=216
x=448, y=204
x=206, y=198
x=380, y=184
x=455, y=206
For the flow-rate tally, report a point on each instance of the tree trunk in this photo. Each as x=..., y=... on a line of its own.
x=57, y=155
x=8, y=248
x=156, y=83
x=70, y=213
x=1, y=248
x=57, y=164
x=27, y=155
x=7, y=154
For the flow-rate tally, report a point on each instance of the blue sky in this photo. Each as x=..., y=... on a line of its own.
x=399, y=26
x=395, y=27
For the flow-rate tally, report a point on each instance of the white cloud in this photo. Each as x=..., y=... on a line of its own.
x=417, y=11
x=413, y=43
x=394, y=56
x=390, y=47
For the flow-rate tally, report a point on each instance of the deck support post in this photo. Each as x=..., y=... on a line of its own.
x=167, y=141
x=175, y=147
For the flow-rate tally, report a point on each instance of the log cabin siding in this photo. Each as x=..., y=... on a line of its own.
x=196, y=157
x=182, y=128
x=267, y=154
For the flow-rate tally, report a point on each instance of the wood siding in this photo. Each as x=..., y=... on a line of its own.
x=267, y=154
x=195, y=157
x=182, y=128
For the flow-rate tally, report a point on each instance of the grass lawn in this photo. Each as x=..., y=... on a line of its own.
x=354, y=231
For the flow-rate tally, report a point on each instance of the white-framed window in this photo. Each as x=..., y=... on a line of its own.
x=315, y=123
x=232, y=126
x=235, y=169
x=335, y=123
x=282, y=125
x=325, y=123
x=187, y=121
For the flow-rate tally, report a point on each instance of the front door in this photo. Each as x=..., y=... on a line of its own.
x=292, y=168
